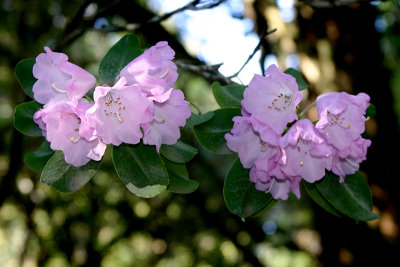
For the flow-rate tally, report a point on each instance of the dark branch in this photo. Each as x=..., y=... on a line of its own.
x=335, y=3
x=209, y=72
x=193, y=6
x=262, y=36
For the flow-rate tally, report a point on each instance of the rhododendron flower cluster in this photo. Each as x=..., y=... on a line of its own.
x=279, y=159
x=141, y=105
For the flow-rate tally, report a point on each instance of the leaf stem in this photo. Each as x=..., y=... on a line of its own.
x=304, y=112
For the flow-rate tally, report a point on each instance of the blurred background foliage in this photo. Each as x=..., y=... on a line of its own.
x=338, y=45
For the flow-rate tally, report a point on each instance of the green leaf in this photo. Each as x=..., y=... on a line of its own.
x=195, y=119
x=179, y=181
x=123, y=52
x=23, y=118
x=36, y=160
x=65, y=177
x=211, y=134
x=23, y=70
x=352, y=197
x=179, y=153
x=228, y=96
x=141, y=169
x=241, y=196
x=315, y=195
x=371, y=111
x=301, y=82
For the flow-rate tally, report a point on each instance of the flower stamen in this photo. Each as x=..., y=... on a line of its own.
x=58, y=89
x=114, y=107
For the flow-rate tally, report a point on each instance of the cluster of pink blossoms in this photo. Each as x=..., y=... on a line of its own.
x=141, y=104
x=305, y=151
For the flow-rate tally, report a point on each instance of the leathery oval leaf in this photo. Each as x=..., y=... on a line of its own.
x=211, y=133
x=123, y=52
x=65, y=177
x=23, y=118
x=241, y=196
x=141, y=169
x=228, y=96
x=352, y=197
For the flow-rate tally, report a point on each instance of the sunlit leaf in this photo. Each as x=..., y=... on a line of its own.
x=228, y=96
x=23, y=118
x=301, y=82
x=141, y=169
x=36, y=160
x=352, y=197
x=197, y=119
x=23, y=70
x=179, y=153
x=65, y=177
x=211, y=133
x=314, y=193
x=123, y=52
x=241, y=196
x=179, y=181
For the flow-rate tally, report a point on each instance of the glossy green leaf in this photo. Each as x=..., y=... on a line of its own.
x=141, y=169
x=228, y=96
x=197, y=119
x=315, y=195
x=23, y=70
x=241, y=196
x=352, y=197
x=211, y=133
x=301, y=82
x=65, y=177
x=179, y=181
x=23, y=118
x=36, y=160
x=179, y=153
x=123, y=52
x=371, y=111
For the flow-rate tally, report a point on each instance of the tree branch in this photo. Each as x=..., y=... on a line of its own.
x=262, y=36
x=193, y=6
x=209, y=72
x=334, y=3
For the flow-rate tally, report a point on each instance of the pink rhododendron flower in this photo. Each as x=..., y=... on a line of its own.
x=247, y=142
x=279, y=188
x=267, y=176
x=118, y=112
x=167, y=118
x=62, y=124
x=305, y=152
x=341, y=117
x=154, y=71
x=348, y=160
x=272, y=99
x=59, y=79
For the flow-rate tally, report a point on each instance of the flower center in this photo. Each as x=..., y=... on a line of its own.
x=76, y=137
x=338, y=119
x=264, y=146
x=281, y=103
x=58, y=89
x=114, y=107
x=156, y=73
x=352, y=162
x=303, y=148
x=159, y=119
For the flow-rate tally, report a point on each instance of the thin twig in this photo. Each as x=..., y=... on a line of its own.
x=304, y=112
x=195, y=106
x=209, y=72
x=262, y=36
x=193, y=6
